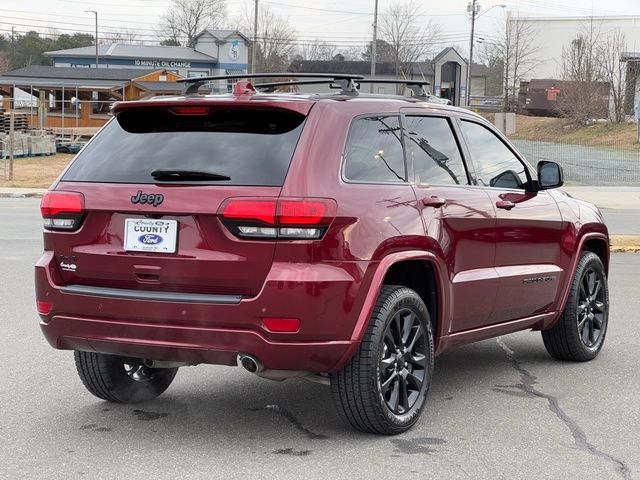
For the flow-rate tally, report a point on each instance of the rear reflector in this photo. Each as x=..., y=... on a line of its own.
x=62, y=210
x=281, y=325
x=44, y=308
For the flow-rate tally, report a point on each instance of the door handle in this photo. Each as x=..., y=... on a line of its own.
x=435, y=202
x=505, y=204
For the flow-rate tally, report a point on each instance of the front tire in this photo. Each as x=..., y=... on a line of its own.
x=121, y=379
x=580, y=332
x=383, y=388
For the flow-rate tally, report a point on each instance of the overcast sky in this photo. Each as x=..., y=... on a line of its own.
x=346, y=23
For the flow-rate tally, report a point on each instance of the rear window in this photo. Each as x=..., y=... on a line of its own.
x=252, y=147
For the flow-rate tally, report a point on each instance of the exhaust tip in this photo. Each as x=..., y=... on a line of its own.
x=250, y=363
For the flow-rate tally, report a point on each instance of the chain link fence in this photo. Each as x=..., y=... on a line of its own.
x=586, y=165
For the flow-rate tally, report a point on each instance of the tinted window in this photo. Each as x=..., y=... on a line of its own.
x=435, y=153
x=253, y=147
x=496, y=165
x=374, y=151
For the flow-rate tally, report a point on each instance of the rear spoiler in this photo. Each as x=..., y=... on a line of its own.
x=299, y=105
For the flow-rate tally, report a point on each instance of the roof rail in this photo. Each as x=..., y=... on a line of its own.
x=416, y=86
x=345, y=80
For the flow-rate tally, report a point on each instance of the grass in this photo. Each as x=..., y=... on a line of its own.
x=607, y=135
x=35, y=172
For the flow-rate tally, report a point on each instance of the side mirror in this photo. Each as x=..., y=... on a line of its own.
x=550, y=175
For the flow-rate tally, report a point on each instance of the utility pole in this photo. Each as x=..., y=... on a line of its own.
x=374, y=44
x=473, y=8
x=255, y=38
x=96, y=14
x=11, y=141
x=13, y=48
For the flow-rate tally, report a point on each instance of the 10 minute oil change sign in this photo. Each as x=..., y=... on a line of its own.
x=148, y=235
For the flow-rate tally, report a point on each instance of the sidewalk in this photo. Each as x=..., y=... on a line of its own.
x=618, y=198
x=21, y=192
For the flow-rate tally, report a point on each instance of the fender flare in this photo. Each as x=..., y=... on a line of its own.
x=376, y=286
x=574, y=265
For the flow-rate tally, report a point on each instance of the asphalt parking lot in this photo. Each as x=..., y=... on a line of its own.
x=497, y=409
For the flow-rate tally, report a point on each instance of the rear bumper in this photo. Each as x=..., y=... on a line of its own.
x=188, y=344
x=323, y=296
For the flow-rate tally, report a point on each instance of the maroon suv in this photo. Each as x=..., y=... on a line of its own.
x=343, y=237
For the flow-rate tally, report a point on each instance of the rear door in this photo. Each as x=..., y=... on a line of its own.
x=458, y=216
x=528, y=227
x=176, y=239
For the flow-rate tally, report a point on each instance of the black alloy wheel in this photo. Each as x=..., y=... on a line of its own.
x=592, y=317
x=121, y=379
x=403, y=365
x=383, y=387
x=579, y=333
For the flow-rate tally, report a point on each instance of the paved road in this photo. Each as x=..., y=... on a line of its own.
x=499, y=409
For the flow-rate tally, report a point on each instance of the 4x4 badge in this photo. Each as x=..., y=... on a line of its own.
x=148, y=198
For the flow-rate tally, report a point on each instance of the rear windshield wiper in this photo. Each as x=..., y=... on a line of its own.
x=186, y=175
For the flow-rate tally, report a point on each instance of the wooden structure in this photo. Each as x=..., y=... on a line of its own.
x=78, y=97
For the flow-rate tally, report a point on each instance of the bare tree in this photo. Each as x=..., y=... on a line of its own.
x=5, y=62
x=276, y=39
x=583, y=92
x=187, y=18
x=610, y=52
x=516, y=51
x=125, y=35
x=409, y=42
x=318, y=50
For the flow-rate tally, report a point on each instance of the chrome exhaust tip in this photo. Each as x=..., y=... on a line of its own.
x=250, y=363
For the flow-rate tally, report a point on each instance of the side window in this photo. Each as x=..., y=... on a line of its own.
x=496, y=165
x=435, y=153
x=374, y=151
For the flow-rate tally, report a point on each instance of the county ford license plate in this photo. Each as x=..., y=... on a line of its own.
x=148, y=235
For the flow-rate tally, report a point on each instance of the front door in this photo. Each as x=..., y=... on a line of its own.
x=528, y=227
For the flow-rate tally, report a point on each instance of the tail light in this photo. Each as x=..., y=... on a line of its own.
x=62, y=210
x=285, y=218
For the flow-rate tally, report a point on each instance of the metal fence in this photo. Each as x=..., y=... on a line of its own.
x=583, y=165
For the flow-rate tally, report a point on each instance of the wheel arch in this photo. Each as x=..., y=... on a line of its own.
x=599, y=246
x=595, y=242
x=391, y=268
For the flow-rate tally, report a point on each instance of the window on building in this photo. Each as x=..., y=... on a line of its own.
x=374, y=151
x=232, y=81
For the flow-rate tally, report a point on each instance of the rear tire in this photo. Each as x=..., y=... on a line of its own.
x=383, y=388
x=121, y=379
x=580, y=332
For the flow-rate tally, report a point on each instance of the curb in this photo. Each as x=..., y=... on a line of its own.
x=625, y=243
x=21, y=195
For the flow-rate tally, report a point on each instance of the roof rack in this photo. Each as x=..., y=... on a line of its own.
x=416, y=86
x=344, y=80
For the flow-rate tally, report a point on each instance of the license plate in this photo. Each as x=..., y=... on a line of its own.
x=148, y=235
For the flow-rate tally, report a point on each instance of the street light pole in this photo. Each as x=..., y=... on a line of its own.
x=473, y=7
x=374, y=44
x=255, y=38
x=96, y=14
